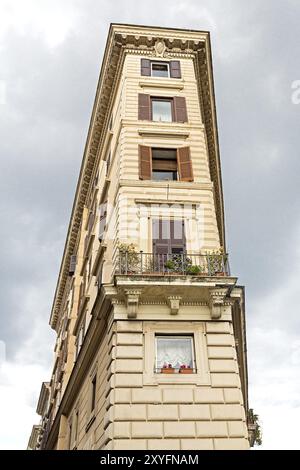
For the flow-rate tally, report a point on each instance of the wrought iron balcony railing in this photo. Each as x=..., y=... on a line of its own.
x=140, y=263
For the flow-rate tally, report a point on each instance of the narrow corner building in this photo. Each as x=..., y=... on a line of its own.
x=151, y=348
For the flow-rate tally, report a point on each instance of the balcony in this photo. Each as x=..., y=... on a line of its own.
x=183, y=264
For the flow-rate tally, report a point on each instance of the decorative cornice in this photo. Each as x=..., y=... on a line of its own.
x=139, y=40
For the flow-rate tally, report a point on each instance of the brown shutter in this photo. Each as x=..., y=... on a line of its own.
x=145, y=67
x=184, y=164
x=144, y=107
x=72, y=266
x=175, y=71
x=145, y=162
x=180, y=109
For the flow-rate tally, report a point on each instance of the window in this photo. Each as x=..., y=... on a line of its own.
x=80, y=338
x=93, y=398
x=159, y=69
x=164, y=164
x=162, y=109
x=111, y=121
x=168, y=237
x=108, y=159
x=174, y=354
x=102, y=221
x=70, y=436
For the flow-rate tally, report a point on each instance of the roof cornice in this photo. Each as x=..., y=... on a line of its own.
x=140, y=40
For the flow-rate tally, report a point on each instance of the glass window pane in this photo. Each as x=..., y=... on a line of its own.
x=176, y=352
x=164, y=175
x=160, y=69
x=161, y=111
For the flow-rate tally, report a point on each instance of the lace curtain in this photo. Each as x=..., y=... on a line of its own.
x=175, y=351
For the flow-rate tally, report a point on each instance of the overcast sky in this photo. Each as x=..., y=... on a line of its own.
x=50, y=56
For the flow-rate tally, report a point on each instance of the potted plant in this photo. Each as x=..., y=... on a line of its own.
x=185, y=369
x=194, y=270
x=129, y=258
x=167, y=369
x=216, y=261
x=170, y=265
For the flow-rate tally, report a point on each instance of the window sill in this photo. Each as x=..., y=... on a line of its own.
x=163, y=82
x=176, y=133
x=182, y=379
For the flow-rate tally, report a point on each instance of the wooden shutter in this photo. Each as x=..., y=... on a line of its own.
x=180, y=112
x=175, y=71
x=145, y=67
x=184, y=164
x=102, y=223
x=144, y=107
x=145, y=162
x=72, y=266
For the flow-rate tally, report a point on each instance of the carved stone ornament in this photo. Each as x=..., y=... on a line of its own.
x=132, y=301
x=160, y=48
x=216, y=302
x=174, y=303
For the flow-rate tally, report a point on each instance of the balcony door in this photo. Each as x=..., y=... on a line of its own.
x=168, y=237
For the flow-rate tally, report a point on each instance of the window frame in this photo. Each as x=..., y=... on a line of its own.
x=162, y=171
x=166, y=100
x=174, y=337
x=202, y=375
x=92, y=402
x=160, y=62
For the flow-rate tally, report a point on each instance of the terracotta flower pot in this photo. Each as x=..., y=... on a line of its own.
x=167, y=370
x=186, y=370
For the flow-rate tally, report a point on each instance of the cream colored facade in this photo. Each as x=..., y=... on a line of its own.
x=106, y=391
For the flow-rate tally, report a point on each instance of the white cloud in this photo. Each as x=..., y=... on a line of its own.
x=19, y=389
x=51, y=19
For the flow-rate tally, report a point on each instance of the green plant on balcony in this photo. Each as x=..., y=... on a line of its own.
x=178, y=264
x=129, y=258
x=255, y=434
x=170, y=265
x=216, y=261
x=194, y=270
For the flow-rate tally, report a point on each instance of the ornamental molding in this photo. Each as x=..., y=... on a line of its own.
x=194, y=304
x=132, y=302
x=174, y=303
x=121, y=40
x=217, y=301
x=160, y=48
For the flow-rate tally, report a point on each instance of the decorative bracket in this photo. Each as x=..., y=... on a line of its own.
x=174, y=303
x=132, y=301
x=216, y=301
